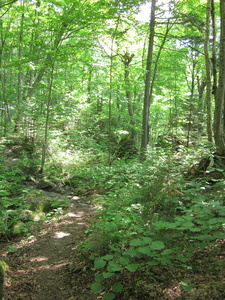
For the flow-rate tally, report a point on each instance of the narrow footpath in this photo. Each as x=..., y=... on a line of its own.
x=48, y=265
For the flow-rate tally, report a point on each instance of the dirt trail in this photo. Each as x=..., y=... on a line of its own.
x=41, y=267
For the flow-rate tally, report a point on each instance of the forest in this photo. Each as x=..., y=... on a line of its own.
x=112, y=129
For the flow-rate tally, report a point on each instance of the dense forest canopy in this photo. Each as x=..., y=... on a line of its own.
x=122, y=101
x=78, y=66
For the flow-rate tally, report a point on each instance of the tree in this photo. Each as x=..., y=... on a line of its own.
x=219, y=119
x=208, y=71
x=146, y=106
x=94, y=88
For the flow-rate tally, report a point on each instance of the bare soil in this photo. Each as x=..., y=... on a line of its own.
x=40, y=267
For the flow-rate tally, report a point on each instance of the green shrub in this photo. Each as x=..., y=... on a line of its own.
x=149, y=219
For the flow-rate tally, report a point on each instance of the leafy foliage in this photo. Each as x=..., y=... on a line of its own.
x=20, y=207
x=72, y=98
x=182, y=219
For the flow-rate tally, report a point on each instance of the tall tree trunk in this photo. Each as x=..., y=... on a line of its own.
x=208, y=72
x=126, y=59
x=5, y=105
x=191, y=100
x=145, y=119
x=201, y=87
x=220, y=92
x=168, y=28
x=89, y=83
x=19, y=76
x=110, y=94
x=214, y=47
x=45, y=139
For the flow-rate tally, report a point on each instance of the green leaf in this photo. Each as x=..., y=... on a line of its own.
x=146, y=240
x=196, y=229
x=167, y=252
x=164, y=261
x=125, y=260
x=117, y=287
x=219, y=170
x=107, y=274
x=144, y=250
x=132, y=267
x=99, y=278
x=136, y=242
x=161, y=225
x=96, y=287
x=131, y=253
x=152, y=263
x=203, y=237
x=187, y=285
x=113, y=267
x=99, y=263
x=187, y=225
x=109, y=296
x=107, y=257
x=157, y=245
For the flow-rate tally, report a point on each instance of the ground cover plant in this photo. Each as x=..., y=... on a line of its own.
x=152, y=219
x=22, y=207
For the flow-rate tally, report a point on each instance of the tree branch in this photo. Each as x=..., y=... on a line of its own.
x=7, y=3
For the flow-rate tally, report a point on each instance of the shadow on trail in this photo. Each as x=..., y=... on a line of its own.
x=40, y=268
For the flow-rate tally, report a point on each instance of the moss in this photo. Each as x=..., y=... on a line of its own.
x=3, y=267
x=1, y=281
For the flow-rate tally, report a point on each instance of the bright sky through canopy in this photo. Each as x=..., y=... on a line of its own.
x=144, y=14
x=145, y=11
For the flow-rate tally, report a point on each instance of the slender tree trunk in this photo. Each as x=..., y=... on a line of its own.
x=146, y=107
x=110, y=94
x=220, y=92
x=191, y=106
x=110, y=103
x=19, y=76
x=5, y=105
x=90, y=72
x=168, y=28
x=214, y=47
x=45, y=140
x=126, y=59
x=201, y=88
x=208, y=72
x=47, y=63
x=175, y=109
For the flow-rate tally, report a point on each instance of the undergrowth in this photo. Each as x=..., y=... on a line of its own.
x=151, y=217
x=19, y=212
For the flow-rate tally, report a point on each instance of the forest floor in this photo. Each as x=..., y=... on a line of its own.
x=40, y=266
x=49, y=266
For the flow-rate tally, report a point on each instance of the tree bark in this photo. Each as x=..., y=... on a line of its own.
x=126, y=59
x=6, y=115
x=220, y=92
x=214, y=48
x=208, y=72
x=146, y=106
x=45, y=140
x=111, y=93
